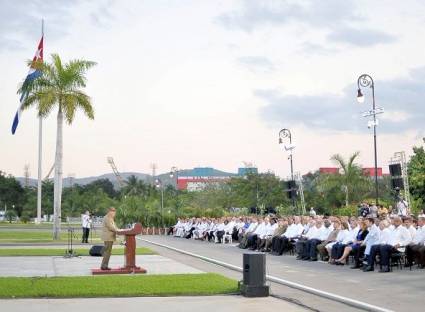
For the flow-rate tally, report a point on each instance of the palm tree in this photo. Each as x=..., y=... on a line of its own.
x=59, y=87
x=351, y=177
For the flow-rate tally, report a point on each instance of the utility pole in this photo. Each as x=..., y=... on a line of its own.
x=153, y=166
x=27, y=175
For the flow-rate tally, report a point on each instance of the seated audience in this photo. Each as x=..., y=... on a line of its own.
x=321, y=248
x=390, y=242
x=415, y=251
x=355, y=245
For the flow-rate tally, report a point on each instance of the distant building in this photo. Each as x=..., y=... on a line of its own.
x=329, y=170
x=370, y=172
x=247, y=170
x=199, y=178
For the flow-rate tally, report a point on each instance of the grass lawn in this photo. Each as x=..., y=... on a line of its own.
x=61, y=251
x=116, y=286
x=16, y=236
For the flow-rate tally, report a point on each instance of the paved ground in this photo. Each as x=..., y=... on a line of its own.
x=399, y=290
x=157, y=304
x=80, y=266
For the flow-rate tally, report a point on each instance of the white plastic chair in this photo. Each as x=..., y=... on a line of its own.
x=228, y=237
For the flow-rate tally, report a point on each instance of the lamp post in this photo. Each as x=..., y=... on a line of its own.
x=283, y=134
x=365, y=81
x=175, y=172
x=159, y=185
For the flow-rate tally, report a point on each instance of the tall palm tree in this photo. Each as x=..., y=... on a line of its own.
x=59, y=87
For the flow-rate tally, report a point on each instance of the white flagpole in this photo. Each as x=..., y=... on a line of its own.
x=40, y=145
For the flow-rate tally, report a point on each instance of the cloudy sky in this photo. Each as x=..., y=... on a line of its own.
x=211, y=83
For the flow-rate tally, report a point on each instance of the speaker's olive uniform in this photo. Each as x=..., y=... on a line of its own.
x=108, y=235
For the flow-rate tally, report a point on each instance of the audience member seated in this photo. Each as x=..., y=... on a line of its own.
x=390, y=242
x=342, y=237
x=371, y=238
x=355, y=245
x=309, y=232
x=252, y=238
x=415, y=251
x=243, y=239
x=323, y=230
x=282, y=226
x=321, y=248
x=292, y=233
x=271, y=226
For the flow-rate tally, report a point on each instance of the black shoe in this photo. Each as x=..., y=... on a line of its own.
x=384, y=269
x=305, y=258
x=368, y=269
x=312, y=259
x=105, y=269
x=356, y=266
x=298, y=258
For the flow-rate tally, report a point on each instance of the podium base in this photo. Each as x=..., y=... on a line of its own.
x=136, y=270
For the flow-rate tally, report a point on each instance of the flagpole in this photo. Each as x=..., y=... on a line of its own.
x=40, y=149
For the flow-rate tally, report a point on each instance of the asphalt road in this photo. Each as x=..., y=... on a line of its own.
x=401, y=290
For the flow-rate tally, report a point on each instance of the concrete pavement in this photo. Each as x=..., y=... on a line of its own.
x=157, y=304
x=400, y=290
x=80, y=266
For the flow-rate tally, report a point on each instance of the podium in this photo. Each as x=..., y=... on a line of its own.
x=129, y=253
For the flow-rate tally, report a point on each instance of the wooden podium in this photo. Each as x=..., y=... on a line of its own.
x=129, y=253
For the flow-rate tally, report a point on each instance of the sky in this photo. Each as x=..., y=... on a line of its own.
x=211, y=83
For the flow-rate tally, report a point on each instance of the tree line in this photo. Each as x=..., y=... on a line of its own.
x=260, y=193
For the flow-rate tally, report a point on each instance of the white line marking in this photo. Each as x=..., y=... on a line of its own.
x=348, y=301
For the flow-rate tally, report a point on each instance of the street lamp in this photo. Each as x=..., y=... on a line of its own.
x=286, y=133
x=159, y=185
x=175, y=172
x=367, y=81
x=283, y=134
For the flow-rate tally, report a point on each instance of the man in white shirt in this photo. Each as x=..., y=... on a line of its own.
x=408, y=224
x=260, y=230
x=86, y=223
x=292, y=233
x=172, y=230
x=200, y=228
x=243, y=241
x=371, y=239
x=389, y=242
x=312, y=232
x=220, y=230
x=268, y=232
x=416, y=250
x=180, y=228
x=310, y=250
x=402, y=208
x=212, y=228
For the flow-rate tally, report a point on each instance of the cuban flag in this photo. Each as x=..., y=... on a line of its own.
x=32, y=74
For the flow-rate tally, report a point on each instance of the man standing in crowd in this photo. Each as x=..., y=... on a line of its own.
x=402, y=207
x=86, y=223
x=109, y=235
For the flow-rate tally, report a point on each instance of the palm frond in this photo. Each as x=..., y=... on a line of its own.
x=353, y=158
x=339, y=161
x=59, y=85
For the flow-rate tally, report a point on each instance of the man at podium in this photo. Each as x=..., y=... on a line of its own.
x=109, y=235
